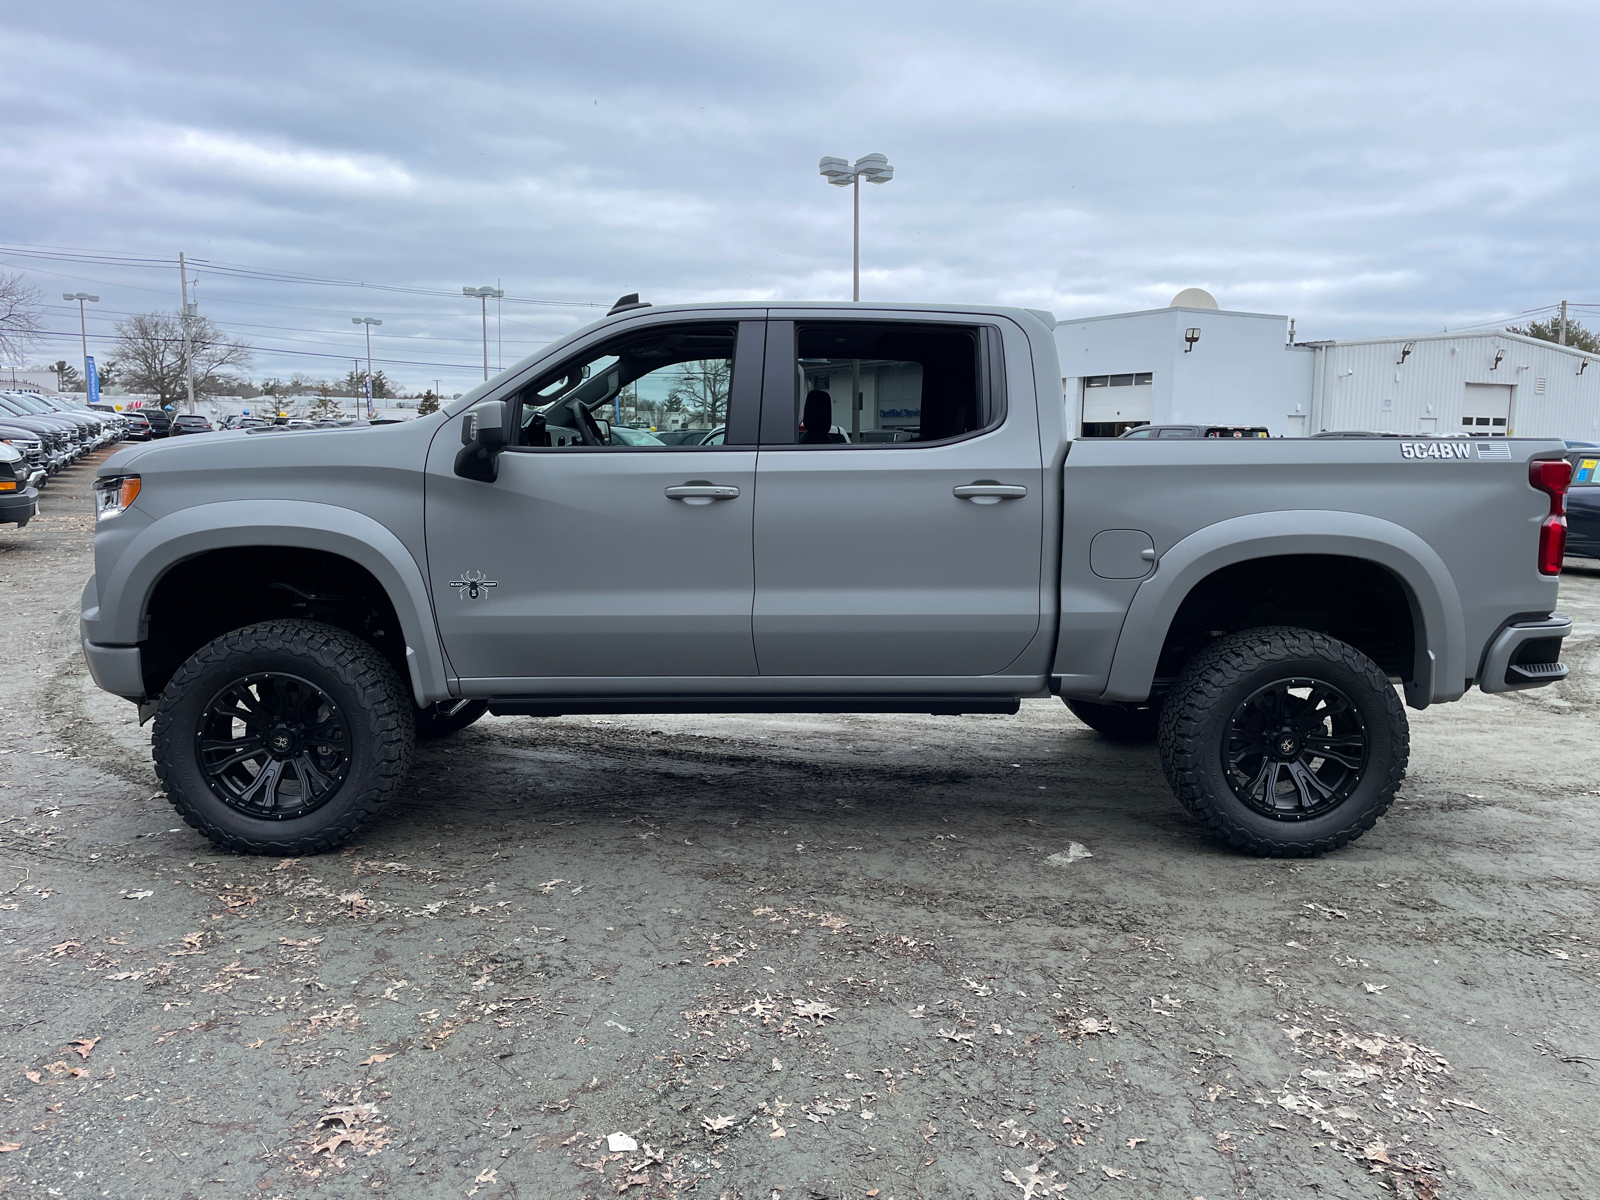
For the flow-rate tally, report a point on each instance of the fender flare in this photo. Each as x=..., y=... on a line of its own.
x=230, y=524
x=1440, y=670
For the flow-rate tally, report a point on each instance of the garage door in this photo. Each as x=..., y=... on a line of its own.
x=1486, y=410
x=1120, y=399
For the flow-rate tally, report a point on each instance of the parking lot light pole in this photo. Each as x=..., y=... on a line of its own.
x=83, y=329
x=369, y=322
x=484, y=294
x=874, y=168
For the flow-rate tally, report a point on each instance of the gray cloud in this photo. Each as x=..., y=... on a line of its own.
x=1363, y=167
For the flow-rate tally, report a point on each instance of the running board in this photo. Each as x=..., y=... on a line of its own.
x=561, y=706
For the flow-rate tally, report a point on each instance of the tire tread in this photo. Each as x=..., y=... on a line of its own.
x=385, y=706
x=1198, y=693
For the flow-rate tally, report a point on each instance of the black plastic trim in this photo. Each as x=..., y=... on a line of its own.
x=560, y=706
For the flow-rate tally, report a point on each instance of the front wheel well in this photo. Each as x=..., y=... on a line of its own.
x=1353, y=599
x=204, y=597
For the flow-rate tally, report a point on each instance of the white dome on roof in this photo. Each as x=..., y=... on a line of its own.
x=1194, y=298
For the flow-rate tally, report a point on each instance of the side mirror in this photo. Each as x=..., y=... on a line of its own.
x=604, y=428
x=483, y=437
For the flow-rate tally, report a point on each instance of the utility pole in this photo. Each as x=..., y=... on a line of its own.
x=1562, y=340
x=188, y=357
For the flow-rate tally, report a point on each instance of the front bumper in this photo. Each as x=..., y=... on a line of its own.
x=115, y=669
x=18, y=508
x=1524, y=655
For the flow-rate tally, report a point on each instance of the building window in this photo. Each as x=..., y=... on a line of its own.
x=1129, y=380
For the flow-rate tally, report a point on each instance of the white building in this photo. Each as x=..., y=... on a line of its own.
x=1193, y=363
x=1483, y=383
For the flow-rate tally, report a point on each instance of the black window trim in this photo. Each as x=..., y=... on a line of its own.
x=744, y=388
x=779, y=378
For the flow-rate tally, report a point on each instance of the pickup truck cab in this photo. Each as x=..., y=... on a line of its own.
x=294, y=609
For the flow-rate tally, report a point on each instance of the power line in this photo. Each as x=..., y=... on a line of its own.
x=245, y=271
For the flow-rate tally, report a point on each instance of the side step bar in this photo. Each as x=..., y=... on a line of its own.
x=561, y=706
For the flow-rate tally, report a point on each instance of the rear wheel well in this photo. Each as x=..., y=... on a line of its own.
x=1352, y=599
x=204, y=597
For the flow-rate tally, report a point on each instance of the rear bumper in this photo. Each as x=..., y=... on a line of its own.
x=1524, y=655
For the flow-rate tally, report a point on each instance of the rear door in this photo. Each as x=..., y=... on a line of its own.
x=899, y=500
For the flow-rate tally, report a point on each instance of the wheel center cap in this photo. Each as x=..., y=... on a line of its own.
x=1288, y=745
x=281, y=743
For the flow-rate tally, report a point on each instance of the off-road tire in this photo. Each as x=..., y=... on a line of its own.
x=1195, y=724
x=447, y=717
x=378, y=711
x=1118, y=722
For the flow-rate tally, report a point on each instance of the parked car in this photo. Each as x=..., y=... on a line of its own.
x=67, y=437
x=138, y=426
x=160, y=421
x=290, y=647
x=681, y=437
x=1583, y=504
x=1197, y=431
x=190, y=423
x=18, y=501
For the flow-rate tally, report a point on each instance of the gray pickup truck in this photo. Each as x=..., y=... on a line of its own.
x=892, y=517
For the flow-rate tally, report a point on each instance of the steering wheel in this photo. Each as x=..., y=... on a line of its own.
x=584, y=419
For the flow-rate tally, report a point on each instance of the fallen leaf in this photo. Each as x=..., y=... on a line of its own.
x=718, y=1124
x=31, y=1076
x=778, y=1130
x=82, y=1046
x=8, y=1147
x=917, y=1013
x=376, y=1058
x=137, y=895
x=255, y=1045
x=1374, y=988
x=64, y=947
x=1377, y=1152
x=951, y=1035
x=815, y=1009
x=1073, y=852
x=1114, y=1173
x=1132, y=1142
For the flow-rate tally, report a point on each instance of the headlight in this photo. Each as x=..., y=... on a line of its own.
x=113, y=493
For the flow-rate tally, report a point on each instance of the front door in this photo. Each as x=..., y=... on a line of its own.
x=899, y=501
x=602, y=553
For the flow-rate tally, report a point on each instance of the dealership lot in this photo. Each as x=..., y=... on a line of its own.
x=792, y=956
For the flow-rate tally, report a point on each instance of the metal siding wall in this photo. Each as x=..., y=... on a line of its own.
x=1432, y=383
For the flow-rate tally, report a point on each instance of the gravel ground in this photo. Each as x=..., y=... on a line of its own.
x=789, y=957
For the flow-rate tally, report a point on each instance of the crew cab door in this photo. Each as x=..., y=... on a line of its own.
x=899, y=500
x=599, y=551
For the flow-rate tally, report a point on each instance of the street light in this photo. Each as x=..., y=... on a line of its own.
x=369, y=322
x=874, y=168
x=484, y=294
x=83, y=330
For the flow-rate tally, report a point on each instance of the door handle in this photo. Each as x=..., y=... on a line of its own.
x=988, y=492
x=702, y=493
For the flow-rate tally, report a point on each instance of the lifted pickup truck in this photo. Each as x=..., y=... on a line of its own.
x=294, y=609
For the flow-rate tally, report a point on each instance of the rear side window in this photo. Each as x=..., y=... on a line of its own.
x=882, y=384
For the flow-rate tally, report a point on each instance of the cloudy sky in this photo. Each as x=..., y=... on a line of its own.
x=1364, y=167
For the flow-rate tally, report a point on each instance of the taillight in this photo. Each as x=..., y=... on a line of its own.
x=1551, y=476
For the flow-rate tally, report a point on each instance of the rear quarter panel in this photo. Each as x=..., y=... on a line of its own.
x=1461, y=534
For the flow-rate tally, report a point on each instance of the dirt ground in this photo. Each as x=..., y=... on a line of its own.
x=789, y=957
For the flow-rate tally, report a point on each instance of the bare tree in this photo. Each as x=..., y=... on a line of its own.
x=150, y=355
x=20, y=305
x=700, y=390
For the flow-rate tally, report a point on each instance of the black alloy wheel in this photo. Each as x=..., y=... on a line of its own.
x=1296, y=749
x=283, y=737
x=274, y=746
x=1284, y=741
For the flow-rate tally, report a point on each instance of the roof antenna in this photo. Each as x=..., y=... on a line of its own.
x=624, y=303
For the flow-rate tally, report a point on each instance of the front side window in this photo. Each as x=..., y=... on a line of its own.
x=882, y=384
x=665, y=386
